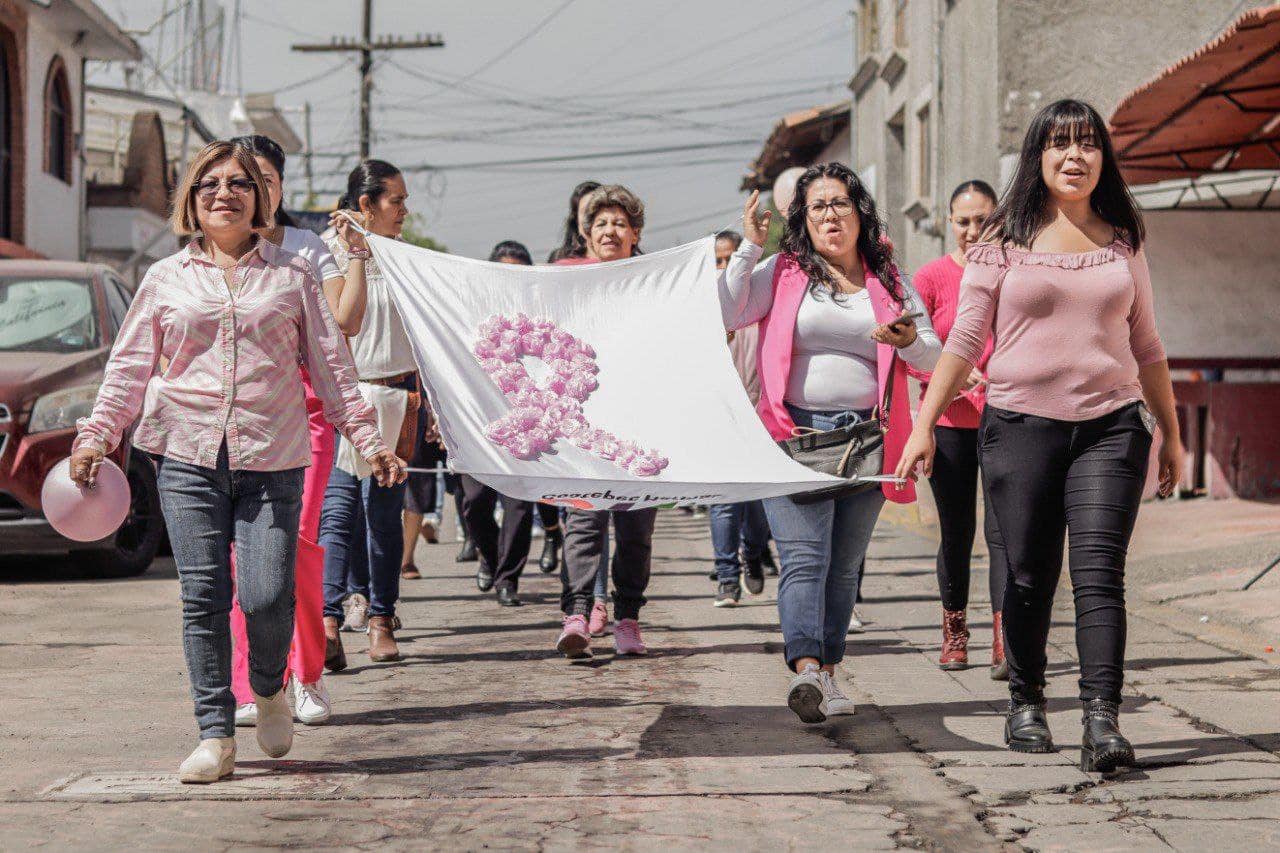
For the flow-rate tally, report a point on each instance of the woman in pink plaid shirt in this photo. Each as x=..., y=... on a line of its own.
x=209, y=353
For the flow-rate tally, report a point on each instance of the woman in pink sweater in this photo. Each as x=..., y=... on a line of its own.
x=1077, y=380
x=954, y=481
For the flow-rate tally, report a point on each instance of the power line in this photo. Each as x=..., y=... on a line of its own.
x=323, y=74
x=570, y=158
x=511, y=48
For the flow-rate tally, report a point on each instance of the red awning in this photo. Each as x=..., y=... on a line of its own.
x=1217, y=110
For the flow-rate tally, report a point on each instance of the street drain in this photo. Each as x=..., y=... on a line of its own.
x=248, y=783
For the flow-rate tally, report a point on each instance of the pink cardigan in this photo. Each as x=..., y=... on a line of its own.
x=777, y=330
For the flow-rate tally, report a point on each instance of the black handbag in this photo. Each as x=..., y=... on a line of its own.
x=847, y=452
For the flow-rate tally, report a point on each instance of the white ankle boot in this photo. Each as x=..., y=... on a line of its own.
x=213, y=759
x=275, y=724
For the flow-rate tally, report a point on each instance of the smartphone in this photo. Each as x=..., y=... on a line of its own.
x=917, y=315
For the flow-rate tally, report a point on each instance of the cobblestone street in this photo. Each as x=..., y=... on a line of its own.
x=484, y=737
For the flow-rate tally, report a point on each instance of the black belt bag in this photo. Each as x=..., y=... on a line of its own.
x=848, y=452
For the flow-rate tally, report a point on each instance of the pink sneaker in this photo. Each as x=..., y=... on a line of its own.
x=574, y=641
x=599, y=619
x=626, y=638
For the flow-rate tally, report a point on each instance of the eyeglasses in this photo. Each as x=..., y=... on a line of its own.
x=206, y=190
x=817, y=211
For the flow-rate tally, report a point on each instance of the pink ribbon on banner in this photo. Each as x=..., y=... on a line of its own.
x=541, y=415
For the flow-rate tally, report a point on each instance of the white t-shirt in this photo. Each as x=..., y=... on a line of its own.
x=308, y=246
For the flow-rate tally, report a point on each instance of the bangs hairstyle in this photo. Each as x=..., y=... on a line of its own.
x=184, y=221
x=1022, y=213
x=873, y=246
x=614, y=195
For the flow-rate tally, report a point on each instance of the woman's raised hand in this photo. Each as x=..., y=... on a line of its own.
x=351, y=238
x=755, y=227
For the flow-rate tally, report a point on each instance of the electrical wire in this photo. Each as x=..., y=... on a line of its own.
x=511, y=48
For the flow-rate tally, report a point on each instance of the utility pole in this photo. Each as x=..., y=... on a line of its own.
x=306, y=159
x=365, y=47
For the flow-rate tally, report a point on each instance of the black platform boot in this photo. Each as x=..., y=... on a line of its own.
x=552, y=540
x=1103, y=748
x=1026, y=729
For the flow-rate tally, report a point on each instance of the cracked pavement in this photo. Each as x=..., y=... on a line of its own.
x=485, y=738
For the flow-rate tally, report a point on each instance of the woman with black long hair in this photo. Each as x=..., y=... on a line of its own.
x=1077, y=380
x=835, y=336
x=954, y=481
x=360, y=524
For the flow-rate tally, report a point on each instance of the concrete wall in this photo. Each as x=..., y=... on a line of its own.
x=1096, y=50
x=1214, y=273
x=52, y=214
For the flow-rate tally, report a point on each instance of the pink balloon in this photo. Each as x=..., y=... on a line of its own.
x=85, y=515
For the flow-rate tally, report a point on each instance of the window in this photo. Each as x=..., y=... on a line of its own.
x=900, y=24
x=869, y=28
x=117, y=300
x=6, y=162
x=57, y=122
x=924, y=153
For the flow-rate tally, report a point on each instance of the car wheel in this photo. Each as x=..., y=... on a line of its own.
x=139, y=537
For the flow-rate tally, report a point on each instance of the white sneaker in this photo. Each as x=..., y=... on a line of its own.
x=213, y=759
x=355, y=610
x=310, y=702
x=856, y=625
x=806, y=696
x=275, y=724
x=246, y=716
x=838, y=704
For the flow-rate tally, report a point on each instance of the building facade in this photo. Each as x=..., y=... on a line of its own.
x=43, y=50
x=943, y=89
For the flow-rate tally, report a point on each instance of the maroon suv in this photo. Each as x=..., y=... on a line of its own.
x=57, y=324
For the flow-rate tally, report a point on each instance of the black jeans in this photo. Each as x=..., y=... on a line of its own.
x=585, y=536
x=504, y=551
x=1045, y=477
x=955, y=491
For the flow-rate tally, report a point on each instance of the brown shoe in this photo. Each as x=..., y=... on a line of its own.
x=955, y=641
x=410, y=572
x=335, y=658
x=382, y=639
x=999, y=666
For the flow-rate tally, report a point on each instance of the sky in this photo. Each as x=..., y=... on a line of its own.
x=530, y=79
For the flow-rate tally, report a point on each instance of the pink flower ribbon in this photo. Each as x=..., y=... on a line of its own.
x=541, y=415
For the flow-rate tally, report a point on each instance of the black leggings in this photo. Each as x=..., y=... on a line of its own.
x=955, y=491
x=1044, y=477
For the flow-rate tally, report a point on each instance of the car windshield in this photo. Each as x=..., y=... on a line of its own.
x=47, y=315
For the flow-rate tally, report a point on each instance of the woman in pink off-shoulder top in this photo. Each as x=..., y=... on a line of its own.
x=231, y=316
x=1077, y=380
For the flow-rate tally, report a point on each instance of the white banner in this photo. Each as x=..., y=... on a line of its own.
x=594, y=386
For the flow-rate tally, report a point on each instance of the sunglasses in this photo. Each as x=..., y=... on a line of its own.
x=206, y=190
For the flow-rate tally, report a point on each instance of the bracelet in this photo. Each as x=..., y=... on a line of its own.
x=359, y=254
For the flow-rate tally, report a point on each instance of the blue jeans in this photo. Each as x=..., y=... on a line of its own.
x=207, y=511
x=361, y=533
x=821, y=547
x=733, y=525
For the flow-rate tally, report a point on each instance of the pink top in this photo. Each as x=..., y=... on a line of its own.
x=232, y=365
x=1070, y=330
x=938, y=283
